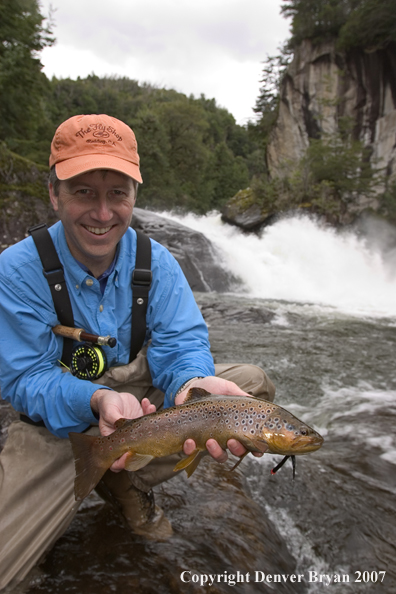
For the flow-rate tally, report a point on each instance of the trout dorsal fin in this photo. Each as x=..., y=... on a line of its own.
x=120, y=423
x=196, y=394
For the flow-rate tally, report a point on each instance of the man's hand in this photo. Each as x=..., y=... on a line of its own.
x=215, y=385
x=111, y=406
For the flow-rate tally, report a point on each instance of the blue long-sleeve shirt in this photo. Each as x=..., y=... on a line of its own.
x=31, y=377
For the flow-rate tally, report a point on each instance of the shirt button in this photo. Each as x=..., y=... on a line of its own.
x=100, y=307
x=89, y=282
x=77, y=286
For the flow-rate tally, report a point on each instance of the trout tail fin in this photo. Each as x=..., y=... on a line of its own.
x=89, y=467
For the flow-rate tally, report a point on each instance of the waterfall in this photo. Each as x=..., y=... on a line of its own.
x=299, y=260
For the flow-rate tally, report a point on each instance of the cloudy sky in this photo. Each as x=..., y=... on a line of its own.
x=214, y=47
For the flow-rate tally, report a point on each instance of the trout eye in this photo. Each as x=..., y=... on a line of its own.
x=304, y=432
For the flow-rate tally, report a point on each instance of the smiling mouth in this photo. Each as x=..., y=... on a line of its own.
x=98, y=230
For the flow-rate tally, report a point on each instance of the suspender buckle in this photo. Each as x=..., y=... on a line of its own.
x=54, y=277
x=36, y=227
x=141, y=278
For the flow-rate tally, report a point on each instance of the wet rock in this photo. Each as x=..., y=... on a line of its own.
x=218, y=530
x=221, y=313
x=197, y=257
x=243, y=211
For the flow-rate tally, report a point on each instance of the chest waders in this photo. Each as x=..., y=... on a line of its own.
x=53, y=272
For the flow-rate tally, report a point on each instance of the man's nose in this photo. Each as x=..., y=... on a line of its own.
x=102, y=209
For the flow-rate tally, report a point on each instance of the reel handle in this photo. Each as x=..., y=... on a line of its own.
x=80, y=335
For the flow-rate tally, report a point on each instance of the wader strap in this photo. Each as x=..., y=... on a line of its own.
x=141, y=283
x=53, y=272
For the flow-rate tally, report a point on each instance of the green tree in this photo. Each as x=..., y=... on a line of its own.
x=267, y=103
x=229, y=175
x=186, y=127
x=358, y=23
x=333, y=174
x=316, y=19
x=154, y=151
x=371, y=25
x=23, y=34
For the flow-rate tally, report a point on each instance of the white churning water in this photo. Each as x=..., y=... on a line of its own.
x=299, y=260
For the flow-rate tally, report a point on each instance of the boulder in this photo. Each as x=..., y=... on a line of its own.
x=198, y=258
x=243, y=211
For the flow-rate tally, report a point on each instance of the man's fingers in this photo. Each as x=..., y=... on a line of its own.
x=119, y=464
x=147, y=407
x=189, y=446
x=235, y=447
x=216, y=451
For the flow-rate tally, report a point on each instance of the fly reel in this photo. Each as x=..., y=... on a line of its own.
x=88, y=361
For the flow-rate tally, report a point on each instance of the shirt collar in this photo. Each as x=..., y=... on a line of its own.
x=78, y=270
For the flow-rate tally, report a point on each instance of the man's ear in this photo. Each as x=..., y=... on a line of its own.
x=53, y=197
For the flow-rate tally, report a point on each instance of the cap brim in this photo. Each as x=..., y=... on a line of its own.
x=77, y=165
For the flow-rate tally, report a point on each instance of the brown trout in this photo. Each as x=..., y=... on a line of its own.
x=261, y=426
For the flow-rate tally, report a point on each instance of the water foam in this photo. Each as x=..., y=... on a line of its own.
x=299, y=260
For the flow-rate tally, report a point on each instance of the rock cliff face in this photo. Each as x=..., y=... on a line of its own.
x=322, y=85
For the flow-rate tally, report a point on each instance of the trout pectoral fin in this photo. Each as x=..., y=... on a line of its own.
x=190, y=463
x=260, y=444
x=136, y=461
x=239, y=461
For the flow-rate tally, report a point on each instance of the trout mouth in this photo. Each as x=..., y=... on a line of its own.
x=304, y=444
x=301, y=444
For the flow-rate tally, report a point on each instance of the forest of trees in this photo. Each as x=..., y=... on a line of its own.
x=193, y=154
x=368, y=24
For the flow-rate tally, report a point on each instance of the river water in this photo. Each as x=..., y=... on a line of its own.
x=317, y=310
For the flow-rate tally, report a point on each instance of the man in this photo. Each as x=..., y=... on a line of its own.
x=93, y=184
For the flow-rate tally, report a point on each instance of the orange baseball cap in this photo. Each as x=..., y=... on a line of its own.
x=86, y=142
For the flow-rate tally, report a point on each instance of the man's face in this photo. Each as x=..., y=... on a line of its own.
x=96, y=210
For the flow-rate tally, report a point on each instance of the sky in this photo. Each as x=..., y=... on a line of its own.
x=210, y=47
